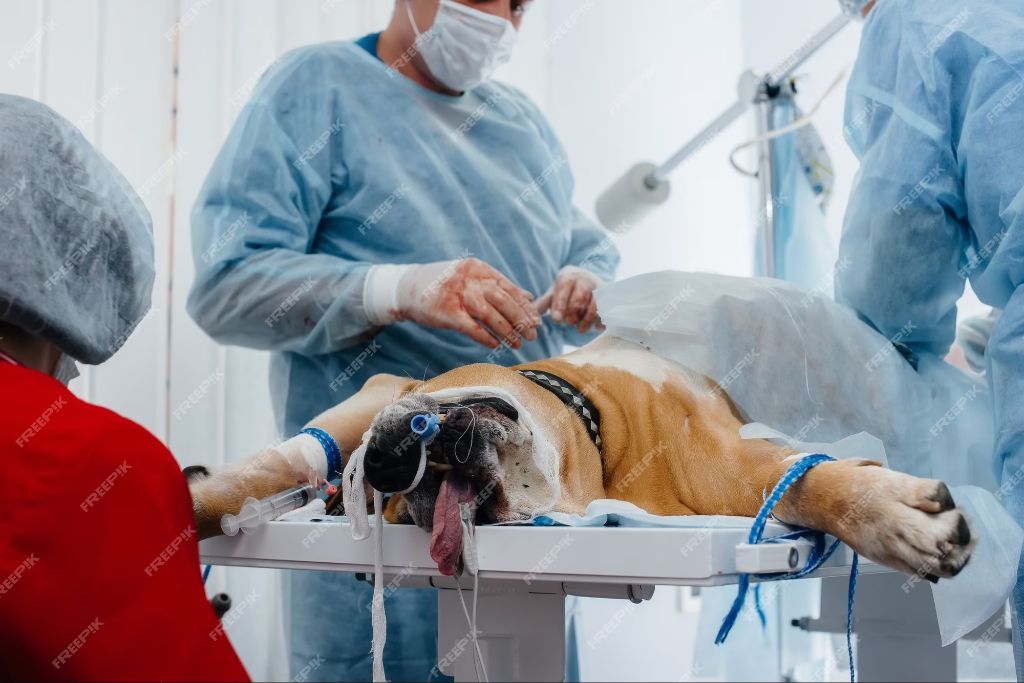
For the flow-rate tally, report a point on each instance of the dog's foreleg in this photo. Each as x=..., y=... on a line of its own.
x=223, y=491
x=281, y=467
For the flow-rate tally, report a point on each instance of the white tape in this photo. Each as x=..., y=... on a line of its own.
x=306, y=456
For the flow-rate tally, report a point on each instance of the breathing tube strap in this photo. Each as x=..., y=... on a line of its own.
x=819, y=555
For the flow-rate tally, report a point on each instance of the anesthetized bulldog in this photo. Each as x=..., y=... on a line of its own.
x=610, y=420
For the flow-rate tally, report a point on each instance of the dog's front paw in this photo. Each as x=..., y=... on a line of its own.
x=909, y=524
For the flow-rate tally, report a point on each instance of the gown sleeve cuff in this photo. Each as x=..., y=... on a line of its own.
x=380, y=293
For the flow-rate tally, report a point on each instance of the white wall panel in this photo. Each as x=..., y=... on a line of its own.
x=71, y=54
x=530, y=66
x=67, y=79
x=204, y=112
x=70, y=75
x=633, y=84
x=343, y=19
x=298, y=23
x=134, y=90
x=24, y=38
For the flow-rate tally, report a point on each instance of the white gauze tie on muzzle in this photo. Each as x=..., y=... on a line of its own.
x=353, y=493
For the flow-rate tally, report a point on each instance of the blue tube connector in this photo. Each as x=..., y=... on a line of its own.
x=425, y=426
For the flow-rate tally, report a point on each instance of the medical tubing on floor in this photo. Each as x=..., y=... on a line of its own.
x=818, y=556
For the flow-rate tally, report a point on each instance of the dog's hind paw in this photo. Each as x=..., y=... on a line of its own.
x=912, y=525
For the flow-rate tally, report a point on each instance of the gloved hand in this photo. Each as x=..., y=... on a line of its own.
x=465, y=295
x=972, y=337
x=571, y=299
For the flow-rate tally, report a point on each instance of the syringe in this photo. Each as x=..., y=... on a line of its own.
x=256, y=512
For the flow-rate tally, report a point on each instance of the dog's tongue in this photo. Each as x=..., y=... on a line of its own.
x=446, y=542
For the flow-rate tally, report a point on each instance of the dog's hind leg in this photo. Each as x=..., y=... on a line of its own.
x=903, y=522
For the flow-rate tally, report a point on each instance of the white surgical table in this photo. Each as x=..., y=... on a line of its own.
x=526, y=572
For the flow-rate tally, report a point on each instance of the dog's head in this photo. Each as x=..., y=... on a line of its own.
x=496, y=458
x=489, y=452
x=489, y=462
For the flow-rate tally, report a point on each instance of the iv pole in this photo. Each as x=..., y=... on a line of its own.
x=646, y=186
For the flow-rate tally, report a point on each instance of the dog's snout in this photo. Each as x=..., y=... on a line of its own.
x=392, y=458
x=393, y=452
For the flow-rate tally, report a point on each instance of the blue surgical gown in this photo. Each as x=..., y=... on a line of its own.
x=935, y=112
x=338, y=163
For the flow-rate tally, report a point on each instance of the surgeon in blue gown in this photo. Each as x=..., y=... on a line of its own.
x=935, y=112
x=382, y=206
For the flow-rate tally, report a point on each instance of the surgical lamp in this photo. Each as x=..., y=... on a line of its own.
x=646, y=186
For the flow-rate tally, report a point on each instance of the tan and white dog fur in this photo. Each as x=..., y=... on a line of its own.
x=670, y=445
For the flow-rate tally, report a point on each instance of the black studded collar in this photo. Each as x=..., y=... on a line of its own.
x=571, y=397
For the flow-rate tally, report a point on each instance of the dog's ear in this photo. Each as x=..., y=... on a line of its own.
x=194, y=473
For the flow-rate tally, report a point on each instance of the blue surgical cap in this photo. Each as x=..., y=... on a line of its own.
x=77, y=254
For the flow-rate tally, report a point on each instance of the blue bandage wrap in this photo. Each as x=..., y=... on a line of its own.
x=819, y=555
x=331, y=450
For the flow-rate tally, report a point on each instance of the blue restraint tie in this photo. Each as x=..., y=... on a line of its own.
x=819, y=556
x=331, y=450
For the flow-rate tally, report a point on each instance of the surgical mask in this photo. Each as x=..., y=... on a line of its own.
x=465, y=46
x=66, y=369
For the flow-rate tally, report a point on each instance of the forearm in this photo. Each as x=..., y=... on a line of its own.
x=282, y=300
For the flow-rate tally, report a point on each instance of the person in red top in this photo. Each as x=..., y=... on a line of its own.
x=99, y=560
x=99, y=556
